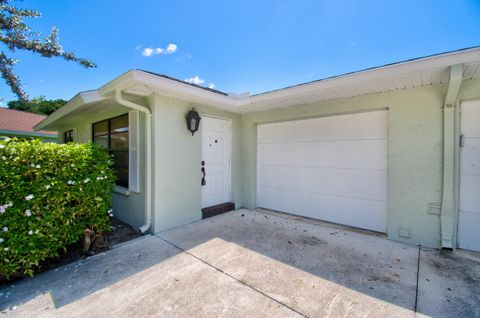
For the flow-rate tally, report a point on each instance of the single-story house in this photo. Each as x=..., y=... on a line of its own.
x=392, y=149
x=16, y=123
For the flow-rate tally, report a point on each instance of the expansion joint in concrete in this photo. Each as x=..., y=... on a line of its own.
x=233, y=277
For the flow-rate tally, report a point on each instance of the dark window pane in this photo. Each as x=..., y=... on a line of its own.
x=68, y=136
x=119, y=124
x=119, y=141
x=120, y=158
x=120, y=164
x=116, y=141
x=100, y=128
x=101, y=140
x=122, y=177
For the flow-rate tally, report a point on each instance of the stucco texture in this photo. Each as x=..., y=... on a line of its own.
x=415, y=157
x=414, y=152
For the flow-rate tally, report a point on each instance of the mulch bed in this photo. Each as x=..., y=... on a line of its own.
x=120, y=232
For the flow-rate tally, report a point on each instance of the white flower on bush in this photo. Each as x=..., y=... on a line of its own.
x=1, y=239
x=28, y=213
x=86, y=180
x=102, y=172
x=4, y=158
x=5, y=229
x=38, y=166
x=32, y=165
x=30, y=232
x=48, y=186
x=29, y=197
x=72, y=165
x=5, y=249
x=71, y=182
x=2, y=146
x=9, y=204
x=3, y=208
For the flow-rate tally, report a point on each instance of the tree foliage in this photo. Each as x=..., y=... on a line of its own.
x=38, y=105
x=15, y=34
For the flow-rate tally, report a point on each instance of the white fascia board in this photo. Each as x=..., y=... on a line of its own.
x=77, y=101
x=120, y=82
x=159, y=84
x=427, y=64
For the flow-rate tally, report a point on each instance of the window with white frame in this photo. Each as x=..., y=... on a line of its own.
x=113, y=135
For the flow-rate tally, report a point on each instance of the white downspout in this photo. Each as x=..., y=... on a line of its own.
x=148, y=183
x=448, y=214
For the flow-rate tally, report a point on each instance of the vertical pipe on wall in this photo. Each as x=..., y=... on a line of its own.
x=148, y=131
x=448, y=216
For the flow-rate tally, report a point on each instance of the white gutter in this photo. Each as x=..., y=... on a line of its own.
x=448, y=213
x=148, y=183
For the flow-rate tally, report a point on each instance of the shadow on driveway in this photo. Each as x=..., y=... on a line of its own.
x=259, y=263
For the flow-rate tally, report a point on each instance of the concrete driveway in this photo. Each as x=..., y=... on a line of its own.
x=256, y=264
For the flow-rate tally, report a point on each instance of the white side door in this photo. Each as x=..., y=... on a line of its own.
x=216, y=159
x=469, y=207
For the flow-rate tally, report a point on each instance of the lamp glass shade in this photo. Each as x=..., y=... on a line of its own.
x=193, y=121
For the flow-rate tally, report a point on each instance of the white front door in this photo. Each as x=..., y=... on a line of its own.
x=469, y=209
x=216, y=158
x=331, y=168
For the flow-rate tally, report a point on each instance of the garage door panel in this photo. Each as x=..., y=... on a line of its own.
x=369, y=184
x=359, y=213
x=370, y=125
x=330, y=168
x=368, y=154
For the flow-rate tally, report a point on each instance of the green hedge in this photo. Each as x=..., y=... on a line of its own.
x=49, y=193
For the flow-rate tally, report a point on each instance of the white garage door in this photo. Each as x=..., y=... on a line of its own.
x=329, y=168
x=469, y=214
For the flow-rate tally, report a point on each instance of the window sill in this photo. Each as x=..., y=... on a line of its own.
x=121, y=190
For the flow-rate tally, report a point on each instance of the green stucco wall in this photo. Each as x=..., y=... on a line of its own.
x=177, y=157
x=415, y=156
x=414, y=152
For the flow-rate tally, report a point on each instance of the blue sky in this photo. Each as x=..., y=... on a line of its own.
x=239, y=46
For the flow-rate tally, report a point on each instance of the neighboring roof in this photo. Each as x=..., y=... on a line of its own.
x=418, y=72
x=18, y=121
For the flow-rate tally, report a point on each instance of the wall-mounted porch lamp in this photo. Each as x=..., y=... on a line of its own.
x=193, y=121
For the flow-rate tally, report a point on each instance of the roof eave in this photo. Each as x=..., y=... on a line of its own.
x=78, y=100
x=387, y=71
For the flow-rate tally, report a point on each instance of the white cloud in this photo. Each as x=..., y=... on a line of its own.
x=147, y=51
x=150, y=51
x=171, y=48
x=195, y=80
x=211, y=86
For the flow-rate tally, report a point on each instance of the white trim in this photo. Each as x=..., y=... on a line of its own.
x=246, y=104
x=134, y=151
x=121, y=190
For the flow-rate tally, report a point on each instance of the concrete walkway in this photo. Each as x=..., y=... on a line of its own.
x=255, y=264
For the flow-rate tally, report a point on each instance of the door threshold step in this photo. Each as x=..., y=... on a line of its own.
x=217, y=209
